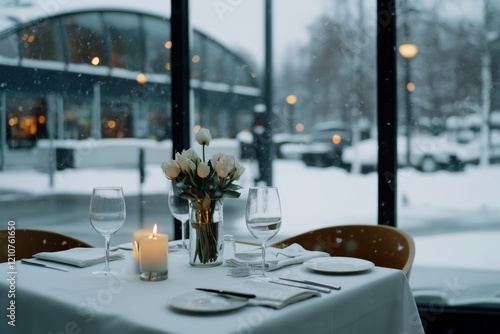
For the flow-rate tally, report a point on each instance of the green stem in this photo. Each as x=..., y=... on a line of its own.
x=206, y=235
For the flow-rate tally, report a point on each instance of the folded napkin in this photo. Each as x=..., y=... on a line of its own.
x=271, y=295
x=79, y=256
x=276, y=258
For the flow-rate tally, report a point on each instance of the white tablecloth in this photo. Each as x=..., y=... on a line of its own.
x=50, y=301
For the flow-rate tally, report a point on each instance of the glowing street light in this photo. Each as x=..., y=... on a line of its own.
x=291, y=100
x=408, y=51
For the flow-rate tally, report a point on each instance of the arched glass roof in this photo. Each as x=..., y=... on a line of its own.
x=119, y=43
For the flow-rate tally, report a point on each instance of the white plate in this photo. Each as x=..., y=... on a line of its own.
x=172, y=245
x=206, y=302
x=338, y=264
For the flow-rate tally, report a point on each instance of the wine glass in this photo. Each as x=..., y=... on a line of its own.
x=107, y=215
x=179, y=207
x=263, y=218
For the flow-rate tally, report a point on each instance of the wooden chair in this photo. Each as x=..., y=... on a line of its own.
x=385, y=246
x=29, y=242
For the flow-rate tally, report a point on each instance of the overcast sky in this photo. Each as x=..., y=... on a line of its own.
x=241, y=26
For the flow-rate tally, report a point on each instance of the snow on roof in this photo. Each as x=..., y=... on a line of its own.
x=27, y=10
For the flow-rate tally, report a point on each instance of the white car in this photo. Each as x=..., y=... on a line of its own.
x=428, y=153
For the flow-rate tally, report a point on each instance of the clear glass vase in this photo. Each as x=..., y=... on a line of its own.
x=206, y=233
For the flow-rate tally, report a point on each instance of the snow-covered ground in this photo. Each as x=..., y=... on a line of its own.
x=430, y=205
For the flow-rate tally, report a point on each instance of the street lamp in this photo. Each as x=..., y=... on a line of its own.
x=408, y=51
x=291, y=100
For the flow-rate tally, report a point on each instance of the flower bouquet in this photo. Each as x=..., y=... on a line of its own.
x=204, y=183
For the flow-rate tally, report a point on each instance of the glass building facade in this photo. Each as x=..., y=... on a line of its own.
x=110, y=74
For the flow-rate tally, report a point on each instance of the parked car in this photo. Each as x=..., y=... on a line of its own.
x=428, y=153
x=289, y=146
x=326, y=145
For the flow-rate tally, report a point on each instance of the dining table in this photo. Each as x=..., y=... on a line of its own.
x=37, y=299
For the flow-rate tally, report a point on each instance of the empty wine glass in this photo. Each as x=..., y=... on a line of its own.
x=107, y=215
x=263, y=218
x=179, y=207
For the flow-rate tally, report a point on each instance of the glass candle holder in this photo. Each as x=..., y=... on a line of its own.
x=153, y=257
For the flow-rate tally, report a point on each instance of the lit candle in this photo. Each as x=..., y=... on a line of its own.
x=153, y=256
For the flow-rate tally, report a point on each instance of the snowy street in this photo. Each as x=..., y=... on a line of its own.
x=439, y=209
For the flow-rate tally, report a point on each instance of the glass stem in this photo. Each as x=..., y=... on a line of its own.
x=263, y=259
x=106, y=260
x=183, y=234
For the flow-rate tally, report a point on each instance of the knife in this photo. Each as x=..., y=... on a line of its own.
x=303, y=286
x=334, y=287
x=38, y=264
x=239, y=294
x=229, y=293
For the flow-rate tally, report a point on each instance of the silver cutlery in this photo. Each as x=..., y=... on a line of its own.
x=303, y=286
x=324, y=285
x=235, y=294
x=229, y=293
x=38, y=264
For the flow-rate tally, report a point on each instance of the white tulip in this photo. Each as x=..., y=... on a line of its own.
x=203, y=137
x=203, y=170
x=224, y=165
x=239, y=169
x=171, y=169
x=215, y=158
x=191, y=155
x=186, y=165
x=195, y=172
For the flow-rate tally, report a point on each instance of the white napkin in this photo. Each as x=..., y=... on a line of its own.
x=277, y=258
x=79, y=256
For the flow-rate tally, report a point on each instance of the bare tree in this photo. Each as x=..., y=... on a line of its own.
x=491, y=36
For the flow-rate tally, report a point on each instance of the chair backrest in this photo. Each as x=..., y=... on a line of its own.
x=385, y=246
x=29, y=242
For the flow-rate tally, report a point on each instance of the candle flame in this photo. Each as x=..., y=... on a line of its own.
x=155, y=229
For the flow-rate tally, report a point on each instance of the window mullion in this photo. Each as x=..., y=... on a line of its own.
x=387, y=112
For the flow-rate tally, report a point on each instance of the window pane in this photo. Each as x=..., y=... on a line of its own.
x=115, y=120
x=77, y=113
x=158, y=45
x=226, y=87
x=126, y=40
x=26, y=121
x=323, y=102
x=90, y=109
x=448, y=144
x=86, y=39
x=40, y=41
x=9, y=47
x=213, y=62
x=446, y=92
